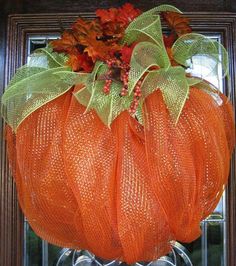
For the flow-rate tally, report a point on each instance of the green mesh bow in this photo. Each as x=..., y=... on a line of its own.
x=108, y=107
x=45, y=77
x=35, y=84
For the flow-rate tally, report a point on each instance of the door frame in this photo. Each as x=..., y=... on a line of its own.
x=19, y=28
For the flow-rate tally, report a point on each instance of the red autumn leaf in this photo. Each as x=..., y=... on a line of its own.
x=67, y=43
x=170, y=55
x=73, y=62
x=99, y=38
x=85, y=62
x=83, y=27
x=107, y=15
x=123, y=15
x=80, y=62
x=127, y=13
x=177, y=22
x=114, y=21
x=101, y=50
x=169, y=40
x=90, y=35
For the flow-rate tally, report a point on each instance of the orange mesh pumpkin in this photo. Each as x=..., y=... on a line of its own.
x=123, y=192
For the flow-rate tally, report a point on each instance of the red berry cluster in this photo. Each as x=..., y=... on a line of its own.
x=112, y=62
x=125, y=78
x=115, y=63
x=137, y=95
x=107, y=87
x=108, y=81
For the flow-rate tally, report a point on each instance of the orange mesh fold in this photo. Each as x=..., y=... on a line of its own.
x=125, y=192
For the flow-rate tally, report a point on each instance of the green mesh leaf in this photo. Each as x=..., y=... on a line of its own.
x=41, y=59
x=107, y=106
x=93, y=84
x=207, y=52
x=193, y=81
x=165, y=8
x=41, y=80
x=144, y=56
x=148, y=28
x=175, y=90
x=145, y=27
x=54, y=59
x=28, y=94
x=139, y=113
x=23, y=73
x=173, y=85
x=148, y=25
x=70, y=77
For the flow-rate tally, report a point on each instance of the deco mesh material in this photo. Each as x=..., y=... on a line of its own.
x=124, y=192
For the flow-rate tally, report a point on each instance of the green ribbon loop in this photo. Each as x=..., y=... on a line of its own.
x=173, y=85
x=34, y=85
x=109, y=106
x=24, y=97
x=145, y=55
x=199, y=48
x=148, y=26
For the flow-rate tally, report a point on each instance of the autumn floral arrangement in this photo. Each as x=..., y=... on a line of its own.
x=103, y=40
x=115, y=145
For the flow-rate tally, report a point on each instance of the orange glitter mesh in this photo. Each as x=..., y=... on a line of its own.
x=123, y=192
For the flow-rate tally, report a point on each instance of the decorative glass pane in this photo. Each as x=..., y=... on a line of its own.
x=195, y=249
x=215, y=243
x=219, y=212
x=33, y=248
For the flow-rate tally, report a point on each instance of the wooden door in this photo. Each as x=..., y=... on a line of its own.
x=44, y=18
